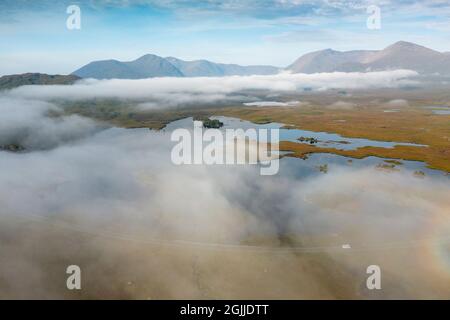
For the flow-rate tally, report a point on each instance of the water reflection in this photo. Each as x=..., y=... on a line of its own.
x=324, y=139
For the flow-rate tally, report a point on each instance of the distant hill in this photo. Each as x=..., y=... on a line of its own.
x=146, y=66
x=205, y=68
x=400, y=55
x=17, y=80
x=150, y=65
x=328, y=60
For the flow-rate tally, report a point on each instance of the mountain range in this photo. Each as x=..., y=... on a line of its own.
x=400, y=55
x=151, y=65
x=205, y=68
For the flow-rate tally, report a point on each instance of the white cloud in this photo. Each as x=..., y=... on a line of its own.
x=115, y=205
x=26, y=123
x=342, y=105
x=176, y=91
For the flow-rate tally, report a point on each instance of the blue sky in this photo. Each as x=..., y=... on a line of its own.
x=34, y=37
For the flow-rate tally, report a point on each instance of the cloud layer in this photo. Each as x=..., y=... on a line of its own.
x=141, y=227
x=27, y=123
x=110, y=201
x=187, y=91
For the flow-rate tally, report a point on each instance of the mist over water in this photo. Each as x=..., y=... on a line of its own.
x=92, y=91
x=141, y=227
x=111, y=201
x=154, y=93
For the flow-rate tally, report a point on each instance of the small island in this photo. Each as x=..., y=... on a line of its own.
x=212, y=123
x=13, y=147
x=310, y=140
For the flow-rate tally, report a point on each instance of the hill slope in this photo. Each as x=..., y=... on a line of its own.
x=205, y=68
x=400, y=55
x=17, y=80
x=147, y=66
x=150, y=65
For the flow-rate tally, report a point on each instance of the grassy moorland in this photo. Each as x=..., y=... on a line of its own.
x=411, y=125
x=124, y=113
x=17, y=80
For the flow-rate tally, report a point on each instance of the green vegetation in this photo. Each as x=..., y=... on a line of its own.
x=394, y=162
x=12, y=147
x=214, y=124
x=311, y=140
x=209, y=123
x=125, y=114
x=17, y=80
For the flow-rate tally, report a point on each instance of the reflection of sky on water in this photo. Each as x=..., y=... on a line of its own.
x=318, y=208
x=331, y=140
x=304, y=168
x=307, y=168
x=441, y=110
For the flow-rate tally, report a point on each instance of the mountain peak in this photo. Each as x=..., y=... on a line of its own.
x=400, y=55
x=147, y=66
x=404, y=44
x=150, y=65
x=408, y=46
x=147, y=57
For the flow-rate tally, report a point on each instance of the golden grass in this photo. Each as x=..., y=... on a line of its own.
x=410, y=125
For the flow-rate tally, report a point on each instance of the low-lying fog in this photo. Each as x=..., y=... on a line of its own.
x=171, y=92
x=110, y=201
